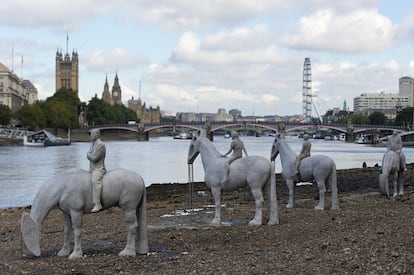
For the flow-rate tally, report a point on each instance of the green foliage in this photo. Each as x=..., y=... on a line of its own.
x=377, y=118
x=405, y=117
x=32, y=116
x=62, y=109
x=99, y=112
x=359, y=119
x=5, y=114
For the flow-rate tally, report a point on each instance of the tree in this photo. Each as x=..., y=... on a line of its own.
x=60, y=115
x=5, y=114
x=359, y=119
x=62, y=109
x=32, y=116
x=99, y=112
x=377, y=118
x=405, y=117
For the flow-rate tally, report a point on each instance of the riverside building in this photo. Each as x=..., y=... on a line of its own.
x=15, y=92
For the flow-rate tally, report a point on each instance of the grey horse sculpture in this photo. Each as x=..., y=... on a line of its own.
x=71, y=192
x=320, y=168
x=255, y=171
x=391, y=165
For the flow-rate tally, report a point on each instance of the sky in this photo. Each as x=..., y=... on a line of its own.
x=202, y=55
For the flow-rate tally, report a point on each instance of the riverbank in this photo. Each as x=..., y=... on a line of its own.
x=368, y=234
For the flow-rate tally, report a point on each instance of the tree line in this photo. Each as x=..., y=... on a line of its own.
x=63, y=110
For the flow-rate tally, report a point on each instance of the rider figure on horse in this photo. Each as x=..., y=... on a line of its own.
x=306, y=147
x=395, y=144
x=237, y=146
x=96, y=157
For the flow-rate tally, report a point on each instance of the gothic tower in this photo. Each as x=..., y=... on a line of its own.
x=106, y=95
x=116, y=91
x=67, y=71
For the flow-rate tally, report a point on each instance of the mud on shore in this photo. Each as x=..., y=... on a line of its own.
x=368, y=234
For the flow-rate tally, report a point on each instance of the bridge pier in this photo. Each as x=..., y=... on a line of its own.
x=349, y=136
x=141, y=134
x=209, y=133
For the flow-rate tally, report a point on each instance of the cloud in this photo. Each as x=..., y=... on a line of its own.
x=57, y=14
x=355, y=32
x=112, y=59
x=181, y=14
x=240, y=46
x=404, y=31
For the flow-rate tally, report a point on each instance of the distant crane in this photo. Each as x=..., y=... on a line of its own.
x=307, y=102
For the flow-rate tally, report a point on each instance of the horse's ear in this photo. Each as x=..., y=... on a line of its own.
x=201, y=132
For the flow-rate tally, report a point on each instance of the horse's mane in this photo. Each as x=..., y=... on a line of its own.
x=210, y=147
x=283, y=141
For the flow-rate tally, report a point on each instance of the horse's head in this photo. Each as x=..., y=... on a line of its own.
x=275, y=147
x=194, y=149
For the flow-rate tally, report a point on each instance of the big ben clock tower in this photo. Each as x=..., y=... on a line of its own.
x=116, y=91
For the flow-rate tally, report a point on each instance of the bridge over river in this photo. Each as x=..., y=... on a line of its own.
x=350, y=131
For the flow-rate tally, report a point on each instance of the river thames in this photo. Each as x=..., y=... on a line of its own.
x=160, y=160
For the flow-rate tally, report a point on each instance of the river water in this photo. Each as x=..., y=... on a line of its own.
x=160, y=160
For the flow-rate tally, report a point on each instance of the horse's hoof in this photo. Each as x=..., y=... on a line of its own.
x=272, y=222
x=289, y=206
x=63, y=253
x=215, y=223
x=127, y=253
x=75, y=256
x=254, y=223
x=319, y=208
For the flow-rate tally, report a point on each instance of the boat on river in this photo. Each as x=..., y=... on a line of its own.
x=44, y=138
x=184, y=135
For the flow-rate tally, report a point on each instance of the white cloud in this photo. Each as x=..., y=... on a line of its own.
x=240, y=46
x=182, y=14
x=112, y=59
x=355, y=32
x=57, y=14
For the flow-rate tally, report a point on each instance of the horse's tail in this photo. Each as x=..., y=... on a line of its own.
x=334, y=186
x=142, y=233
x=274, y=209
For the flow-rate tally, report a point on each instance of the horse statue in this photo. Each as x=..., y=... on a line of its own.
x=71, y=192
x=255, y=171
x=391, y=165
x=320, y=168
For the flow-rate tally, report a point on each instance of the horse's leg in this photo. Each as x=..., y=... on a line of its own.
x=387, y=184
x=76, y=217
x=131, y=220
x=334, y=190
x=67, y=225
x=291, y=186
x=142, y=231
x=322, y=190
x=216, y=192
x=401, y=183
x=395, y=183
x=258, y=199
x=274, y=208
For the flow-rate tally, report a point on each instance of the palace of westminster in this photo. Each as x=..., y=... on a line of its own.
x=16, y=92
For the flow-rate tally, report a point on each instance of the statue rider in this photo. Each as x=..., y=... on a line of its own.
x=304, y=153
x=96, y=157
x=237, y=146
x=395, y=144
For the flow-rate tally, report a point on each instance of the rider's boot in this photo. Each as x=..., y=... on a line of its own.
x=97, y=206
